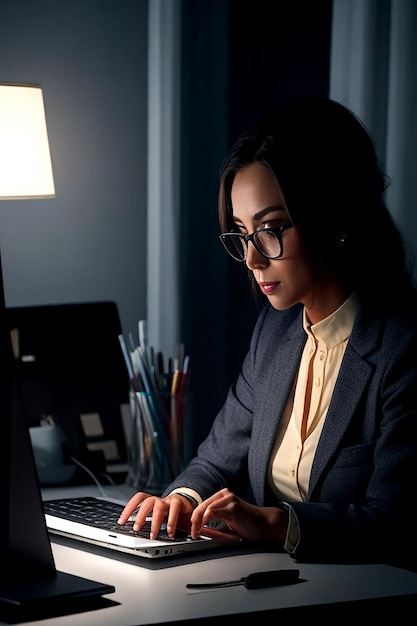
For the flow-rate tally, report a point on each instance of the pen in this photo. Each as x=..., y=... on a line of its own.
x=175, y=382
x=181, y=393
x=142, y=333
x=128, y=362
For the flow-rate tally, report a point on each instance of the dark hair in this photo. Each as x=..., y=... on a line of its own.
x=325, y=163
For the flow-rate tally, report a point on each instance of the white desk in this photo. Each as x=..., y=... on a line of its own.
x=151, y=592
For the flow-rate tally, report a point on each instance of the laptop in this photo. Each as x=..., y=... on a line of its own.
x=94, y=520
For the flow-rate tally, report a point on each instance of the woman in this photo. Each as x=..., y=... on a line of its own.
x=320, y=426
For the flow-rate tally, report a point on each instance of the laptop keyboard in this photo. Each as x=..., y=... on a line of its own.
x=102, y=514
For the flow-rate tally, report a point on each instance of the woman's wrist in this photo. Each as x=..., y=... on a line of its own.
x=277, y=519
x=193, y=501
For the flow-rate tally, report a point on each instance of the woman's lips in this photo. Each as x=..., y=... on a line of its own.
x=267, y=287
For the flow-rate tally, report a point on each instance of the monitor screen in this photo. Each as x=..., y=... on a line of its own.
x=71, y=372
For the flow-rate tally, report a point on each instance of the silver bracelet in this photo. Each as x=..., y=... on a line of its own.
x=187, y=496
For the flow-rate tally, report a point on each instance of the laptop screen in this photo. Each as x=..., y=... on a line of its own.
x=70, y=370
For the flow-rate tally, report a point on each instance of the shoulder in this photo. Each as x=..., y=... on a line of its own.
x=385, y=327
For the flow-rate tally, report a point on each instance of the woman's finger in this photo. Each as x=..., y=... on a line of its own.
x=132, y=505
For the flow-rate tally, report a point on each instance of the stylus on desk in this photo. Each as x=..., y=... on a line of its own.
x=257, y=580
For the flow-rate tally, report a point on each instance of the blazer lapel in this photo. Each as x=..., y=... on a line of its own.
x=272, y=395
x=354, y=376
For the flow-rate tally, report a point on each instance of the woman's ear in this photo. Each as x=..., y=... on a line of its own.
x=340, y=240
x=335, y=240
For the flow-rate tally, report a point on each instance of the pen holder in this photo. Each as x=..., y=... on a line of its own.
x=159, y=440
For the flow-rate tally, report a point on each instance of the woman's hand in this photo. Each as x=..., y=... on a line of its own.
x=246, y=520
x=174, y=510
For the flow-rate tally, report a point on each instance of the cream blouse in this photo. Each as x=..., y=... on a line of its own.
x=303, y=419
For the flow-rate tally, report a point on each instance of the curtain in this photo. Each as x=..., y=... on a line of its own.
x=163, y=175
x=373, y=71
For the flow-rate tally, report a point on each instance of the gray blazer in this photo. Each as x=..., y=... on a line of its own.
x=363, y=475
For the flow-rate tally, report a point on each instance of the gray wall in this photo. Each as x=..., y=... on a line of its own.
x=89, y=243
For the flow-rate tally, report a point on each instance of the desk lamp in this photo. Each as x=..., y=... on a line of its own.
x=28, y=576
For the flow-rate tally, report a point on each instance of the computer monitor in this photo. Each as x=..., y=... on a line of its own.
x=71, y=371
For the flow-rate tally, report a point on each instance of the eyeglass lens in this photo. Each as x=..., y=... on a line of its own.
x=265, y=240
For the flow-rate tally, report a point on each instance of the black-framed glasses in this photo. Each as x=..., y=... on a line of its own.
x=267, y=241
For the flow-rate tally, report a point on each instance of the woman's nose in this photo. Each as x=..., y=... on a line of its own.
x=254, y=259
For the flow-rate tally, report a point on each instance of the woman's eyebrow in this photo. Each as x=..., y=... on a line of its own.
x=258, y=216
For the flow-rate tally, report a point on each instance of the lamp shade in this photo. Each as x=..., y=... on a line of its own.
x=25, y=159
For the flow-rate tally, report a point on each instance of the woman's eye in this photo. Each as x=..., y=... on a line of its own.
x=270, y=224
x=270, y=234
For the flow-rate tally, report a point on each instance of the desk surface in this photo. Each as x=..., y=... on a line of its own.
x=150, y=592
